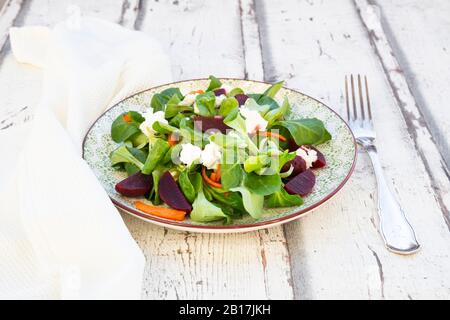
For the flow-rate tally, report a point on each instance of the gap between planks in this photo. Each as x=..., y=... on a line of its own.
x=416, y=124
x=8, y=14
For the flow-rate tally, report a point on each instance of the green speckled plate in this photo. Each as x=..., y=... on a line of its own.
x=340, y=154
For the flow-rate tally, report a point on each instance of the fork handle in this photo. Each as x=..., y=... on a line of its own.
x=397, y=232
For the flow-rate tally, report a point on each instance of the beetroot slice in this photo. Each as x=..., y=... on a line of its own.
x=299, y=166
x=320, y=162
x=292, y=146
x=241, y=98
x=171, y=194
x=219, y=92
x=301, y=184
x=135, y=185
x=207, y=123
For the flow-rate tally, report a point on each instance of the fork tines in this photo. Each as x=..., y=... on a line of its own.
x=361, y=98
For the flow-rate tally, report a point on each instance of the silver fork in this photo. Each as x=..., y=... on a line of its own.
x=397, y=232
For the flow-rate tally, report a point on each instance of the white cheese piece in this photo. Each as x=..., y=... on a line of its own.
x=253, y=120
x=190, y=153
x=188, y=100
x=211, y=156
x=220, y=99
x=150, y=118
x=309, y=155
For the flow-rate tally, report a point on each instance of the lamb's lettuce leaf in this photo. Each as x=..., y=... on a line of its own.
x=231, y=175
x=273, y=89
x=124, y=155
x=262, y=185
x=155, y=155
x=234, y=92
x=205, y=211
x=214, y=83
x=206, y=104
x=173, y=107
x=228, y=105
x=253, y=203
x=275, y=114
x=281, y=198
x=186, y=186
x=159, y=100
x=126, y=125
x=308, y=131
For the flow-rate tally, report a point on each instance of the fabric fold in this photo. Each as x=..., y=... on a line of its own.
x=74, y=239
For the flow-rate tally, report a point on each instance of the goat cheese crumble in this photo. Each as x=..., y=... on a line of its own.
x=309, y=155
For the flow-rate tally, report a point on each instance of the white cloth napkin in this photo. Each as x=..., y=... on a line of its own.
x=60, y=235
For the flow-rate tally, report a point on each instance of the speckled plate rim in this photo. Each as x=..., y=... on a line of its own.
x=231, y=228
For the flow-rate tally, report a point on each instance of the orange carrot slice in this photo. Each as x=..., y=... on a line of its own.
x=217, y=172
x=209, y=181
x=271, y=134
x=213, y=177
x=173, y=139
x=126, y=117
x=161, y=212
x=197, y=91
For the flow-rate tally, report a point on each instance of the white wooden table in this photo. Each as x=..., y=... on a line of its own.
x=336, y=252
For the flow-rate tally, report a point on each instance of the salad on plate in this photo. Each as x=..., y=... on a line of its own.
x=216, y=153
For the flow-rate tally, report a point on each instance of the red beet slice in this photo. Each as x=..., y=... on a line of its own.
x=241, y=98
x=299, y=166
x=320, y=162
x=292, y=146
x=219, y=92
x=135, y=185
x=171, y=194
x=301, y=184
x=208, y=123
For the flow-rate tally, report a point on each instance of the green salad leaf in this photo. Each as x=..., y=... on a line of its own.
x=159, y=100
x=275, y=114
x=206, y=104
x=228, y=105
x=273, y=89
x=122, y=130
x=262, y=185
x=231, y=175
x=156, y=154
x=173, y=107
x=214, y=83
x=124, y=155
x=308, y=131
x=205, y=211
x=281, y=198
x=227, y=199
x=163, y=128
x=253, y=203
x=235, y=91
x=186, y=186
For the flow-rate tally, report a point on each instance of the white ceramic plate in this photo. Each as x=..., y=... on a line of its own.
x=340, y=154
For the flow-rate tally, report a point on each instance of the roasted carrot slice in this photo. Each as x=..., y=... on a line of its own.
x=173, y=139
x=209, y=181
x=198, y=91
x=217, y=172
x=126, y=117
x=271, y=134
x=161, y=212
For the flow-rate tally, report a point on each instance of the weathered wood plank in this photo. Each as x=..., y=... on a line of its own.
x=418, y=32
x=251, y=41
x=336, y=252
x=8, y=13
x=129, y=14
x=179, y=265
x=206, y=38
x=423, y=139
